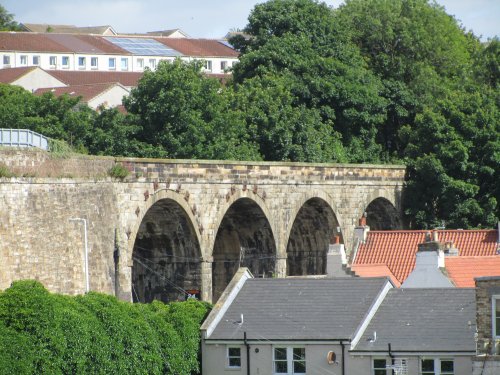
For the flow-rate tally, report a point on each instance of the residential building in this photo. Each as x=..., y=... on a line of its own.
x=487, y=360
x=67, y=29
x=97, y=95
x=30, y=78
x=465, y=254
x=121, y=53
x=346, y=325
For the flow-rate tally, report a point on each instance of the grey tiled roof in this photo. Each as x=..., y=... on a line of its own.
x=440, y=319
x=299, y=309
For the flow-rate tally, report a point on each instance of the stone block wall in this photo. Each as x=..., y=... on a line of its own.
x=487, y=360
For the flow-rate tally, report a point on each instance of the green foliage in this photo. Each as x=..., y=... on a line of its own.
x=7, y=22
x=49, y=333
x=118, y=171
x=5, y=171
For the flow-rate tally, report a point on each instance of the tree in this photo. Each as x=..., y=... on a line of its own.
x=7, y=22
x=184, y=114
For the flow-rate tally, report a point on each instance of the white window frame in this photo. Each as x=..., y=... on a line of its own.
x=112, y=63
x=229, y=357
x=94, y=62
x=65, y=59
x=82, y=59
x=6, y=60
x=208, y=65
x=436, y=365
x=152, y=63
x=140, y=63
x=23, y=60
x=124, y=63
x=36, y=60
x=495, y=319
x=53, y=61
x=224, y=65
x=290, y=360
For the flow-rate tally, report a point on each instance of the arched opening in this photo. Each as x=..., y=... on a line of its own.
x=382, y=215
x=166, y=255
x=313, y=228
x=244, y=239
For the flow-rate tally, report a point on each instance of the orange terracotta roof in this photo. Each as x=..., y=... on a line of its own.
x=10, y=75
x=199, y=47
x=84, y=77
x=397, y=249
x=463, y=270
x=87, y=92
x=375, y=270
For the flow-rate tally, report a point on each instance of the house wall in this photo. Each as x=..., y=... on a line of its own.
x=37, y=79
x=261, y=363
x=103, y=61
x=111, y=98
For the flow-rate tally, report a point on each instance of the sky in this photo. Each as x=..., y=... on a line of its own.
x=203, y=19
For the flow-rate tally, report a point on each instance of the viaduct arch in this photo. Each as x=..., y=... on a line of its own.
x=176, y=226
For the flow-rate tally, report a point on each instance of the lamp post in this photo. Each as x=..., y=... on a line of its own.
x=87, y=281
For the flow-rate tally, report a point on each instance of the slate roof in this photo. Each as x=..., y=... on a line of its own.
x=423, y=320
x=10, y=75
x=397, y=249
x=299, y=309
x=463, y=270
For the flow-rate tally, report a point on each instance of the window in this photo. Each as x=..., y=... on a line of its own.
x=379, y=367
x=93, y=62
x=124, y=63
x=495, y=302
x=289, y=361
x=233, y=357
x=36, y=60
x=152, y=63
x=24, y=60
x=6, y=59
x=53, y=61
x=140, y=63
x=437, y=367
x=208, y=65
x=81, y=62
x=112, y=63
x=65, y=62
x=223, y=65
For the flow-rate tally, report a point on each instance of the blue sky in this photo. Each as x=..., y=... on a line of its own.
x=210, y=19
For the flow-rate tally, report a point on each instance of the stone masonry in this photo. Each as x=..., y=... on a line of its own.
x=37, y=239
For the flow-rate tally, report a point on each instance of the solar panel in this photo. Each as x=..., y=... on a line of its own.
x=143, y=46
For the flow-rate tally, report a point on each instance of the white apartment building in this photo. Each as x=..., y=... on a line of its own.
x=85, y=52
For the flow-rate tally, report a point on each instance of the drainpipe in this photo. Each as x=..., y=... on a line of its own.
x=390, y=353
x=248, y=352
x=343, y=357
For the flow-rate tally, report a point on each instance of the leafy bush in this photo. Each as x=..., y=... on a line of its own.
x=42, y=332
x=5, y=171
x=118, y=171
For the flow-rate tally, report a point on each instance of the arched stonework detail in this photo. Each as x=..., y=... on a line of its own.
x=313, y=227
x=244, y=239
x=381, y=214
x=166, y=255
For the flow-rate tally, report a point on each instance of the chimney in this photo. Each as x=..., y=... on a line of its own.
x=361, y=231
x=336, y=258
x=429, y=262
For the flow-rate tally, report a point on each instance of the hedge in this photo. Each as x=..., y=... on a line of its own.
x=46, y=333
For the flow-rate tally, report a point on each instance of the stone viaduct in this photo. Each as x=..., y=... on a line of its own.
x=173, y=227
